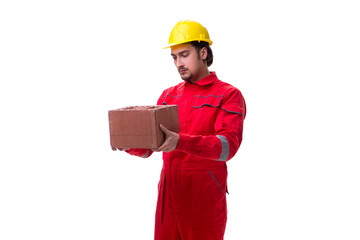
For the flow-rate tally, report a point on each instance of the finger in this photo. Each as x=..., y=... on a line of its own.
x=162, y=147
x=165, y=147
x=113, y=148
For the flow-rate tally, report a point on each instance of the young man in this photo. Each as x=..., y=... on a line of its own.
x=193, y=183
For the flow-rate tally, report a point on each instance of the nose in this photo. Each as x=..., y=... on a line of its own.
x=179, y=62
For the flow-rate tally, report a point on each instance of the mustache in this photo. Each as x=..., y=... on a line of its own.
x=182, y=69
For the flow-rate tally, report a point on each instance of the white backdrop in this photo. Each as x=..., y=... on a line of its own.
x=64, y=64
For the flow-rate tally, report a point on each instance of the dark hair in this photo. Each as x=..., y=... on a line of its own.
x=199, y=45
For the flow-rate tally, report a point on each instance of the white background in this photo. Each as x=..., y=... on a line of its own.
x=64, y=64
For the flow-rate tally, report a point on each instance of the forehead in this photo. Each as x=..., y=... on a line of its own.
x=181, y=48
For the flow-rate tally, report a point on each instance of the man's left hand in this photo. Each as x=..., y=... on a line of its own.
x=171, y=140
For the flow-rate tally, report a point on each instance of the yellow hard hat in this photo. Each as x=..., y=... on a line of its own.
x=188, y=31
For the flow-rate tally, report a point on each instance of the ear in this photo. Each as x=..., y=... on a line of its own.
x=203, y=53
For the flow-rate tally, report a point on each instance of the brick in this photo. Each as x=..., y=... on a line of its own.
x=139, y=126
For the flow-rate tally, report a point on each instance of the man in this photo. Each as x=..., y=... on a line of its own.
x=193, y=183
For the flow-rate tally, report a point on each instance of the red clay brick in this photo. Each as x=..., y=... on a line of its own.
x=139, y=126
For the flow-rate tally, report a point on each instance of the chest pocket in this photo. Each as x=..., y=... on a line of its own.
x=170, y=99
x=205, y=109
x=211, y=101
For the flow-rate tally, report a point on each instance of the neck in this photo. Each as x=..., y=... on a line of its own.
x=201, y=74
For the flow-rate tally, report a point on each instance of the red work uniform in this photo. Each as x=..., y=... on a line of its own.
x=193, y=183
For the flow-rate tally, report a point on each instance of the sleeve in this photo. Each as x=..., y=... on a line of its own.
x=228, y=132
x=141, y=152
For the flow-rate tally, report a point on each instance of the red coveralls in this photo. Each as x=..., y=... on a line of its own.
x=193, y=183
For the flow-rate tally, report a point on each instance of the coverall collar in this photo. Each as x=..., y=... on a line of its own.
x=207, y=80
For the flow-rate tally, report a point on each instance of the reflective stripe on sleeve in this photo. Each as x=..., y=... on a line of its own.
x=225, y=149
x=146, y=154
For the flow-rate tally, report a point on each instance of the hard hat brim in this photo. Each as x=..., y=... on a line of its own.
x=199, y=40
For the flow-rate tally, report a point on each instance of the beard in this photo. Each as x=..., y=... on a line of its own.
x=186, y=77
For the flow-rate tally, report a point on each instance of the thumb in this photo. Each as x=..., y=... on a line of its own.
x=164, y=129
